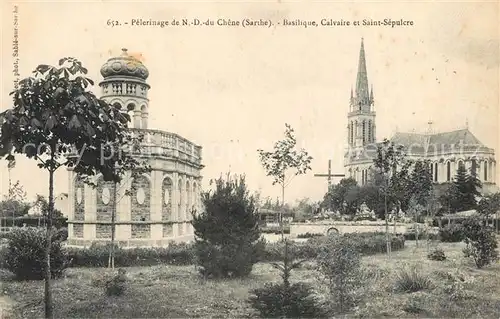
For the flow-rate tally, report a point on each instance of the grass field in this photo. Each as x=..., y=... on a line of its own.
x=177, y=291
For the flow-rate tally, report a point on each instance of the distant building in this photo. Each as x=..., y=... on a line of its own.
x=445, y=150
x=271, y=217
x=61, y=203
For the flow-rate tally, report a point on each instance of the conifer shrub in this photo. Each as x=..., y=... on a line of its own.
x=227, y=236
x=25, y=254
x=284, y=299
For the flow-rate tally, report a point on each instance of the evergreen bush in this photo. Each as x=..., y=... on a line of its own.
x=25, y=254
x=227, y=234
x=286, y=300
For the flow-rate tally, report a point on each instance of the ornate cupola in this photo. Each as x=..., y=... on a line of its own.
x=125, y=84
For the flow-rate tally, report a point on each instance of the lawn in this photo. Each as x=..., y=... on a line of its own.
x=177, y=291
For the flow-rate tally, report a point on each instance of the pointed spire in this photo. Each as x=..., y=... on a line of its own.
x=362, y=78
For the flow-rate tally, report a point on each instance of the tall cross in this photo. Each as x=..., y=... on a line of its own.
x=329, y=175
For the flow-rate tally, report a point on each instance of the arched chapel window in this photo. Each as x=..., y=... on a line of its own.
x=448, y=171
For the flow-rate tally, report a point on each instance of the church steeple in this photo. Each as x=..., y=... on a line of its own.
x=361, y=117
x=362, y=92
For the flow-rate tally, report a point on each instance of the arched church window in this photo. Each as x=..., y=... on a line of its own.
x=352, y=132
x=167, y=199
x=473, y=168
x=432, y=170
x=364, y=131
x=355, y=130
x=486, y=171
x=435, y=172
x=461, y=164
x=188, y=198
x=448, y=171
x=180, y=212
x=348, y=133
x=370, y=131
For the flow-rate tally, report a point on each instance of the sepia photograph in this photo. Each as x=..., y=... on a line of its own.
x=273, y=159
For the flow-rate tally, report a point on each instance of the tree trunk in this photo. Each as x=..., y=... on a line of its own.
x=282, y=208
x=111, y=259
x=416, y=233
x=394, y=221
x=48, y=295
x=387, y=238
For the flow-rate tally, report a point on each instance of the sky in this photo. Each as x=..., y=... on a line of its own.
x=232, y=89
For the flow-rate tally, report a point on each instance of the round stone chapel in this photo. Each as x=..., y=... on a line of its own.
x=158, y=210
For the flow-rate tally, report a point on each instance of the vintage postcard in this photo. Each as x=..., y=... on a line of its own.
x=277, y=159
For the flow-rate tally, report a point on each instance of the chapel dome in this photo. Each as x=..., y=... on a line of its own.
x=124, y=65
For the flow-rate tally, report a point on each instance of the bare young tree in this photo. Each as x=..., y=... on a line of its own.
x=283, y=159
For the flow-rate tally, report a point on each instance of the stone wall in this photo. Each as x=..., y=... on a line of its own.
x=104, y=200
x=168, y=230
x=344, y=227
x=78, y=230
x=103, y=231
x=141, y=231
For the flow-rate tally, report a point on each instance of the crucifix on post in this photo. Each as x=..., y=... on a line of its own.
x=329, y=175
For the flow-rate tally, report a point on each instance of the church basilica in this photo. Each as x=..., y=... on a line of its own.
x=445, y=150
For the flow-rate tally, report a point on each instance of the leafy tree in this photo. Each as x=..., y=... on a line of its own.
x=335, y=198
x=415, y=209
x=481, y=243
x=282, y=159
x=227, y=234
x=371, y=196
x=489, y=205
x=391, y=165
x=305, y=208
x=59, y=122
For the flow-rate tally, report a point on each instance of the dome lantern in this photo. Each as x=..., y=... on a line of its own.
x=124, y=65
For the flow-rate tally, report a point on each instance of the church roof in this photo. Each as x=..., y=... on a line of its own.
x=418, y=143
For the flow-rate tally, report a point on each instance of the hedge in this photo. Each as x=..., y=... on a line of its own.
x=183, y=254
